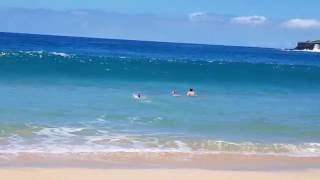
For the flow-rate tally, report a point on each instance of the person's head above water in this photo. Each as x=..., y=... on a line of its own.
x=191, y=92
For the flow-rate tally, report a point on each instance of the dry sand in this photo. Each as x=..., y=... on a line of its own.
x=151, y=174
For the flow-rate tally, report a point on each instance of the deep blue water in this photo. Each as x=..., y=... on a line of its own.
x=75, y=94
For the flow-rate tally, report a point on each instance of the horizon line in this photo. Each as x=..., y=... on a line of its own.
x=137, y=40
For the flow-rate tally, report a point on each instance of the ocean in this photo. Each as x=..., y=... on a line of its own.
x=69, y=95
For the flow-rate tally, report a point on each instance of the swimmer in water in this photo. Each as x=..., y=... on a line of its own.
x=137, y=96
x=174, y=93
x=191, y=93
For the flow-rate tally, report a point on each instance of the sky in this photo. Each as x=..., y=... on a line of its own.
x=263, y=23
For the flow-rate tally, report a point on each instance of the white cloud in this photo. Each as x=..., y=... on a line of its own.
x=302, y=23
x=218, y=18
x=251, y=20
x=208, y=17
x=199, y=16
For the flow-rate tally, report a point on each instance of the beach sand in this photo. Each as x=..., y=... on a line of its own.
x=154, y=174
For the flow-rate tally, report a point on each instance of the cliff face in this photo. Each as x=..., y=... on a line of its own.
x=307, y=45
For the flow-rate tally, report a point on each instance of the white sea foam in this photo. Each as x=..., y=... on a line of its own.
x=61, y=131
x=139, y=147
x=308, y=50
x=316, y=49
x=120, y=145
x=101, y=118
x=82, y=139
x=182, y=146
x=41, y=53
x=60, y=54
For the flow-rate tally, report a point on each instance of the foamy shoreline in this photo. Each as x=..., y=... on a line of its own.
x=155, y=174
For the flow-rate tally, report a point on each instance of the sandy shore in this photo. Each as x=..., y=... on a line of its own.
x=154, y=174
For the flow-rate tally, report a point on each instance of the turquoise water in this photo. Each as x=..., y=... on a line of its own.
x=63, y=94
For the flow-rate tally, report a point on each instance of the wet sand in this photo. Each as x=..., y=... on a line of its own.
x=163, y=160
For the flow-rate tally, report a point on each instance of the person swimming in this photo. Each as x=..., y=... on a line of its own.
x=174, y=93
x=137, y=96
x=191, y=92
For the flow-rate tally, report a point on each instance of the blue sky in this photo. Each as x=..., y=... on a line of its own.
x=230, y=22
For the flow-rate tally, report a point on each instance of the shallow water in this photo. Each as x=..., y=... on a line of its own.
x=63, y=94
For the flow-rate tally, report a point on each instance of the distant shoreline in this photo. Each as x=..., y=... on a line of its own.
x=308, y=45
